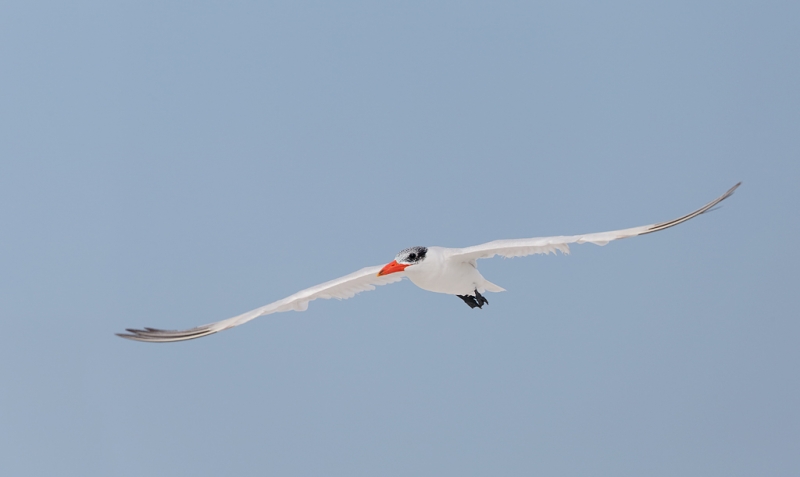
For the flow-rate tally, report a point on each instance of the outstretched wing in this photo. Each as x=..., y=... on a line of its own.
x=341, y=288
x=544, y=245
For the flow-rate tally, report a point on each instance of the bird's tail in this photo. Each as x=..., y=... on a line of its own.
x=489, y=286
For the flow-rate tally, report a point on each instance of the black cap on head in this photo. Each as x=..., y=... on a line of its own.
x=411, y=255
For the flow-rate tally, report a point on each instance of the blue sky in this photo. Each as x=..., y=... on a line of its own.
x=172, y=164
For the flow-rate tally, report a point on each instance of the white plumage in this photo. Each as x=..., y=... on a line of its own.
x=452, y=271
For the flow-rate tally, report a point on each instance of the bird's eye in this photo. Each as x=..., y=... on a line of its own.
x=412, y=256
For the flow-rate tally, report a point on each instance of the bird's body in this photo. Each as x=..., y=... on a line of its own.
x=453, y=271
x=441, y=273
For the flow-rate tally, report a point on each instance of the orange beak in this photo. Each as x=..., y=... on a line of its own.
x=392, y=268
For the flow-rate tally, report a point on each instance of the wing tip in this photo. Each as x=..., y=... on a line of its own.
x=710, y=206
x=731, y=190
x=155, y=335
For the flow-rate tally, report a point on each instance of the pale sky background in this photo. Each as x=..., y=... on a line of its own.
x=170, y=164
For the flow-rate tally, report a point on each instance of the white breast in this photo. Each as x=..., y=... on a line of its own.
x=441, y=274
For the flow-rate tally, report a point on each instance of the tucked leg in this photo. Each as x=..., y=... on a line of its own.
x=469, y=300
x=474, y=301
x=480, y=299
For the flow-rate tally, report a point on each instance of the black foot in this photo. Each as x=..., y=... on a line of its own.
x=474, y=301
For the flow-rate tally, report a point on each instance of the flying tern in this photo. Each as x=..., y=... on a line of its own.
x=452, y=271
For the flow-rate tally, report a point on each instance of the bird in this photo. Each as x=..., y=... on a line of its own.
x=452, y=271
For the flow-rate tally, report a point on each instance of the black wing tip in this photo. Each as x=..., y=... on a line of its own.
x=724, y=196
x=155, y=335
x=732, y=190
x=134, y=337
x=702, y=210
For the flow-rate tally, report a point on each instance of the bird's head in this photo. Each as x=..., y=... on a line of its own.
x=406, y=258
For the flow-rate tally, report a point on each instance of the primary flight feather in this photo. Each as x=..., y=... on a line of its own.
x=452, y=271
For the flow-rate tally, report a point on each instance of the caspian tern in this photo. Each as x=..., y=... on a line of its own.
x=452, y=271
